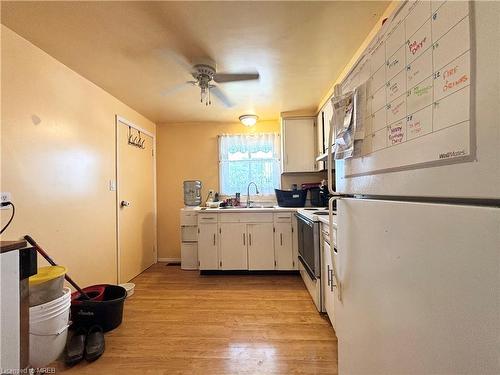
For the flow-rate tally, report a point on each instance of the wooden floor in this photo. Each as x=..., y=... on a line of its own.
x=179, y=322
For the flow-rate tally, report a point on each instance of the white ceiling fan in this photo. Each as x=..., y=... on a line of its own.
x=205, y=75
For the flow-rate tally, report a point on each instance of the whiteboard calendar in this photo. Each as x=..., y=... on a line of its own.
x=418, y=75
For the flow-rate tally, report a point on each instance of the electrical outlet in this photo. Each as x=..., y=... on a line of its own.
x=5, y=197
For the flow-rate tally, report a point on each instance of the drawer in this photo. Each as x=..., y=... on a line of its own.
x=283, y=217
x=246, y=217
x=189, y=233
x=207, y=218
x=189, y=218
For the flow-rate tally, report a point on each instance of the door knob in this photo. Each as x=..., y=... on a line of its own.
x=125, y=203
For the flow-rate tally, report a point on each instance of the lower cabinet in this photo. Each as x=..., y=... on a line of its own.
x=208, y=246
x=260, y=246
x=252, y=241
x=328, y=286
x=233, y=246
x=283, y=248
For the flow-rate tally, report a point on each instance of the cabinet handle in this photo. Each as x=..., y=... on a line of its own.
x=328, y=274
x=281, y=239
x=214, y=239
x=250, y=239
x=244, y=239
x=331, y=278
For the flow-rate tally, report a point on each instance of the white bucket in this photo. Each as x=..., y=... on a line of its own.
x=49, y=324
x=129, y=287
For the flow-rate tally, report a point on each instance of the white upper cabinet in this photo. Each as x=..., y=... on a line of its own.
x=320, y=136
x=327, y=117
x=298, y=144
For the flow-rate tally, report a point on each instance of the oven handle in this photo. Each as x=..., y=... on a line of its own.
x=304, y=220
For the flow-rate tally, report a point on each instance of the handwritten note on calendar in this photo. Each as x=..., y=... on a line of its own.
x=418, y=74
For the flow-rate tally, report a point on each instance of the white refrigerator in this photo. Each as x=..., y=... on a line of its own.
x=418, y=249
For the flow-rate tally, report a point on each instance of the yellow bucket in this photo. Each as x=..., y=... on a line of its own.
x=46, y=285
x=47, y=273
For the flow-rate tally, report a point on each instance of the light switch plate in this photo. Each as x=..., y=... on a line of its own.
x=112, y=185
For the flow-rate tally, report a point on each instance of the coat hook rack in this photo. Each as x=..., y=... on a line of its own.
x=137, y=140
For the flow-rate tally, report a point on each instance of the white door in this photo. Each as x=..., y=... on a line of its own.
x=283, y=249
x=233, y=246
x=298, y=145
x=207, y=246
x=136, y=204
x=420, y=288
x=260, y=247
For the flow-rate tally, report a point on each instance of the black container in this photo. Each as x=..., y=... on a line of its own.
x=319, y=197
x=107, y=313
x=291, y=198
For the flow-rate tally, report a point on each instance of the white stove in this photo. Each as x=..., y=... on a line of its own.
x=313, y=213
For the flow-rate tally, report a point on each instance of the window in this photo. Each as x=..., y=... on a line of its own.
x=249, y=157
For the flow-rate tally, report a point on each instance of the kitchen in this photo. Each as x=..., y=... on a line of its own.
x=335, y=210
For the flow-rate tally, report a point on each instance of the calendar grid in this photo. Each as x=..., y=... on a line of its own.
x=412, y=109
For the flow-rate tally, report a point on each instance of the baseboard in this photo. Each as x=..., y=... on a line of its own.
x=169, y=260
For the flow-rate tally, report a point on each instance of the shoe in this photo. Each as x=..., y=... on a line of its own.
x=94, y=345
x=75, y=347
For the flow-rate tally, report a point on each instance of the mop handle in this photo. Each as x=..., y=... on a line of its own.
x=42, y=252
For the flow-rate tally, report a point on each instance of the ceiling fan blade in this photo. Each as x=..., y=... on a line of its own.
x=178, y=59
x=177, y=88
x=232, y=77
x=217, y=92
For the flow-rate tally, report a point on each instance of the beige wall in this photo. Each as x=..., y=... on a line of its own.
x=390, y=8
x=188, y=151
x=58, y=156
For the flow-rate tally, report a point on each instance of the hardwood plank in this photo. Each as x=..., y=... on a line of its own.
x=179, y=322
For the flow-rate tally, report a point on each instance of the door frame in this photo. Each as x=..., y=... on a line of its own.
x=119, y=119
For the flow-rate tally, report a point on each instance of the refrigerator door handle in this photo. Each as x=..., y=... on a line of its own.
x=335, y=280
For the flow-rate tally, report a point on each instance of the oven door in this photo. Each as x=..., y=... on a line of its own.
x=308, y=245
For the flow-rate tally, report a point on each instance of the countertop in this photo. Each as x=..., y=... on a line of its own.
x=244, y=209
x=6, y=246
x=326, y=220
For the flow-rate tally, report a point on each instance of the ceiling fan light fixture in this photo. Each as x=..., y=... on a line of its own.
x=249, y=120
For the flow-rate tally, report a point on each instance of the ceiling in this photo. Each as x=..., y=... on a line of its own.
x=128, y=48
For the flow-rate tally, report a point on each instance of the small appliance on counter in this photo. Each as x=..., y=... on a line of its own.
x=320, y=195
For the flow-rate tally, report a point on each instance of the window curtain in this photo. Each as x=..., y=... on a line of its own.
x=249, y=157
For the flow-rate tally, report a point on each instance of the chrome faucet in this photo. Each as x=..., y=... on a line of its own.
x=248, y=192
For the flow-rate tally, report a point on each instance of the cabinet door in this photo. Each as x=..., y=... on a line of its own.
x=327, y=117
x=233, y=246
x=298, y=145
x=295, y=243
x=283, y=249
x=207, y=247
x=320, y=136
x=327, y=282
x=260, y=246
